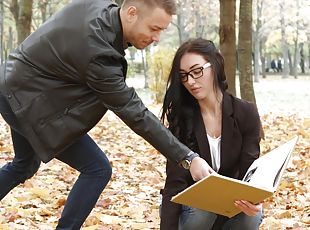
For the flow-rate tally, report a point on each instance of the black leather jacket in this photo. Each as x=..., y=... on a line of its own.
x=64, y=77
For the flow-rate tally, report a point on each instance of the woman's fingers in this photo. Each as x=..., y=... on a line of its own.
x=248, y=208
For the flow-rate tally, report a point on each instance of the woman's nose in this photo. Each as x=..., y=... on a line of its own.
x=190, y=79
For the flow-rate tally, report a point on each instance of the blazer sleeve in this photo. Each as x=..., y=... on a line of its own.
x=177, y=180
x=251, y=127
x=170, y=212
x=105, y=77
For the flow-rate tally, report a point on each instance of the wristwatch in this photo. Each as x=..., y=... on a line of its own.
x=186, y=162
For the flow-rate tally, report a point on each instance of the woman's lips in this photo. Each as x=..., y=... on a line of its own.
x=195, y=89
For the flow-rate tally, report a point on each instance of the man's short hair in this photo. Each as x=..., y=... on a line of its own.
x=168, y=5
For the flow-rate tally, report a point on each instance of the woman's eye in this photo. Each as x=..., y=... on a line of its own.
x=196, y=71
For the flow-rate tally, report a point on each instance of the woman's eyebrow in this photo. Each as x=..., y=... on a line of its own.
x=189, y=67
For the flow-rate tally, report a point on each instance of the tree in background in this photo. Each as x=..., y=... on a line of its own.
x=1, y=32
x=245, y=51
x=22, y=13
x=296, y=41
x=183, y=21
x=283, y=40
x=257, y=40
x=228, y=41
x=119, y=2
x=160, y=65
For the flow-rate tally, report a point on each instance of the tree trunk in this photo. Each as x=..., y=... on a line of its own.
x=145, y=66
x=245, y=51
x=296, y=54
x=302, y=58
x=1, y=33
x=22, y=13
x=200, y=20
x=257, y=40
x=308, y=38
x=296, y=41
x=10, y=43
x=227, y=33
x=181, y=21
x=24, y=20
x=262, y=56
x=256, y=59
x=119, y=2
x=283, y=41
x=290, y=62
x=43, y=9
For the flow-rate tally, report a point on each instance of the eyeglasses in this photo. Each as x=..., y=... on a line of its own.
x=194, y=73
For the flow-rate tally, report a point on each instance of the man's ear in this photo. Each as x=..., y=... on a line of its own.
x=132, y=13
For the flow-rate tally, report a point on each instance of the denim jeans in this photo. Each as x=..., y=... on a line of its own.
x=192, y=218
x=84, y=155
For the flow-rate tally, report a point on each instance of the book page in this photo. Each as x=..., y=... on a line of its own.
x=267, y=170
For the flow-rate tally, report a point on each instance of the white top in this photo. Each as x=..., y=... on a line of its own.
x=215, y=150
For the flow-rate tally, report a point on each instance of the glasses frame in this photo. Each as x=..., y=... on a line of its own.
x=205, y=66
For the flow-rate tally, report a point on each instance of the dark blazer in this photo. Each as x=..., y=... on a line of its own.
x=239, y=148
x=64, y=77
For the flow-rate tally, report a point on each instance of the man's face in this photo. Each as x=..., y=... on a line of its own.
x=147, y=27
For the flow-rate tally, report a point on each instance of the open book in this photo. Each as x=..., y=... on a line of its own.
x=217, y=193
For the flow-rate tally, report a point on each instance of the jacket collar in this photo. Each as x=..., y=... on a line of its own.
x=118, y=43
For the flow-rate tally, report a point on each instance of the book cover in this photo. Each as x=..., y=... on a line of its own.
x=217, y=193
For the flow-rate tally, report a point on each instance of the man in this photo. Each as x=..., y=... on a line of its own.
x=60, y=82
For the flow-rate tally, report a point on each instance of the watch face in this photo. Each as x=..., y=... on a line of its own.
x=185, y=164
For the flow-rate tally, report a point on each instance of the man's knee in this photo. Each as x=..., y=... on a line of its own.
x=27, y=171
x=20, y=172
x=100, y=168
x=33, y=168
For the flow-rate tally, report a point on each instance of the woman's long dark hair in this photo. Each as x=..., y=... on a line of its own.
x=179, y=105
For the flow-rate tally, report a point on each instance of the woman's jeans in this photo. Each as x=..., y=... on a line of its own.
x=192, y=218
x=84, y=155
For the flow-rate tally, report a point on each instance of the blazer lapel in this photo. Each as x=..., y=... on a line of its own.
x=201, y=137
x=227, y=130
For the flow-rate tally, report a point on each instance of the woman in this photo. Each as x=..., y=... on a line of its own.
x=225, y=131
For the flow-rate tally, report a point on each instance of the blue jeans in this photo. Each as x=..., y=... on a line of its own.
x=192, y=218
x=84, y=155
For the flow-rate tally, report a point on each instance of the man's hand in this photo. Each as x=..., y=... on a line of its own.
x=247, y=207
x=200, y=168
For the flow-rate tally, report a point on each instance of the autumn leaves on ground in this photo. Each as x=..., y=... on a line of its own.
x=131, y=199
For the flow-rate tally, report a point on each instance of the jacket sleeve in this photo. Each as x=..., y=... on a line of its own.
x=251, y=127
x=105, y=77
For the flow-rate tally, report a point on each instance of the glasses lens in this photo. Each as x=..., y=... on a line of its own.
x=196, y=73
x=183, y=77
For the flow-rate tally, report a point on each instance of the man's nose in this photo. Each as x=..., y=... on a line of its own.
x=156, y=36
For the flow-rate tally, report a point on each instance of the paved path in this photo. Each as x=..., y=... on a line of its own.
x=283, y=96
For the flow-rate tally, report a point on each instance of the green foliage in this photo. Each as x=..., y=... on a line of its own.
x=160, y=65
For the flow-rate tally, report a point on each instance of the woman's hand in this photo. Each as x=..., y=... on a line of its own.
x=248, y=208
x=200, y=168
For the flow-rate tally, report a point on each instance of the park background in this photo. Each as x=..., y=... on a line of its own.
x=254, y=36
